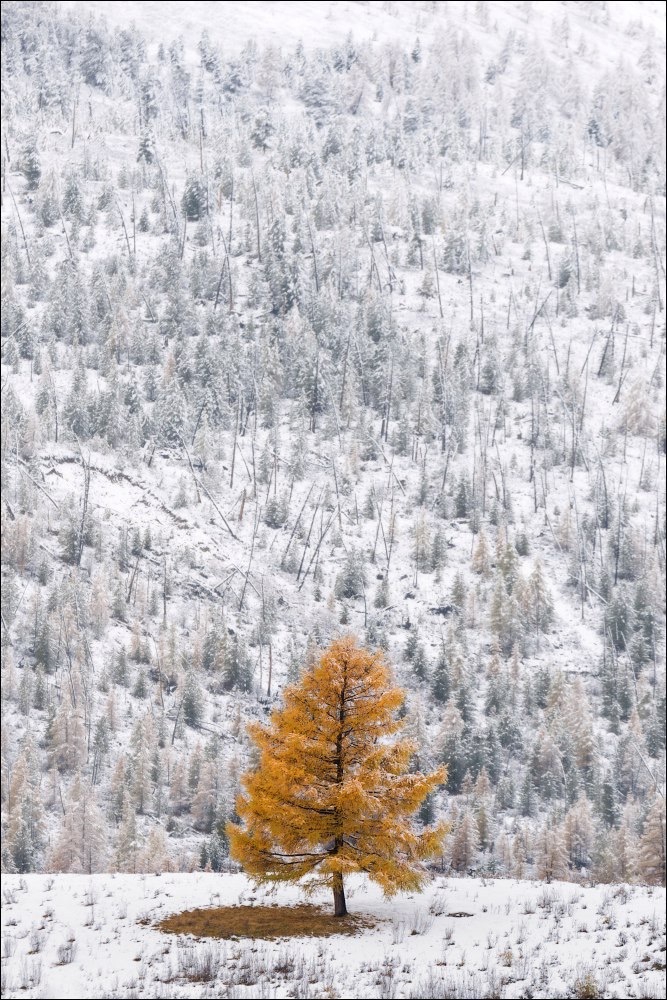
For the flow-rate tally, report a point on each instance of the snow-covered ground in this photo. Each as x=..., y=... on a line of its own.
x=569, y=455
x=233, y=24
x=93, y=936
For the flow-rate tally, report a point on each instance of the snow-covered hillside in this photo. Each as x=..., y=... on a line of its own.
x=323, y=318
x=94, y=936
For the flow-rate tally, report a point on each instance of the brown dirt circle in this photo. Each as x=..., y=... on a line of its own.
x=264, y=922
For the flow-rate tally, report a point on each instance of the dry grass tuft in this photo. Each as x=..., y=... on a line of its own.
x=262, y=922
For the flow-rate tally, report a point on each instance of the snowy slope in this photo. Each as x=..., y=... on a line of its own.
x=563, y=416
x=284, y=24
x=80, y=937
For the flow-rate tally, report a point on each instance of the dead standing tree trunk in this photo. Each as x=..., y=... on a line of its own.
x=84, y=507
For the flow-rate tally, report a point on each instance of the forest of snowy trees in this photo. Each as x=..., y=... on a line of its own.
x=303, y=341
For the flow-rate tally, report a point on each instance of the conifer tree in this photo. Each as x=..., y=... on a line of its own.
x=127, y=844
x=624, y=852
x=481, y=560
x=465, y=842
x=537, y=602
x=440, y=680
x=81, y=841
x=205, y=801
x=30, y=164
x=141, y=745
x=193, y=201
x=550, y=854
x=154, y=855
x=652, y=845
x=26, y=826
x=331, y=795
x=192, y=700
x=578, y=832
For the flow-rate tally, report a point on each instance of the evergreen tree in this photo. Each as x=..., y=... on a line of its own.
x=72, y=202
x=194, y=199
x=193, y=706
x=440, y=678
x=236, y=671
x=95, y=58
x=452, y=747
x=171, y=408
x=31, y=167
x=352, y=578
x=145, y=149
x=618, y=620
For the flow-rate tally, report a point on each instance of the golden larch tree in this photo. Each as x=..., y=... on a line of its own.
x=332, y=792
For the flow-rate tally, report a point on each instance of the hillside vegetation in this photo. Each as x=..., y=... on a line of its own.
x=363, y=335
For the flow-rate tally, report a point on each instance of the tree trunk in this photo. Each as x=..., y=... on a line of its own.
x=340, y=909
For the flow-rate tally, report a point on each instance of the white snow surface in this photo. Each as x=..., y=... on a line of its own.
x=95, y=936
x=286, y=22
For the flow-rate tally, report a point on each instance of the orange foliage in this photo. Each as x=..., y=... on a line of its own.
x=332, y=794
